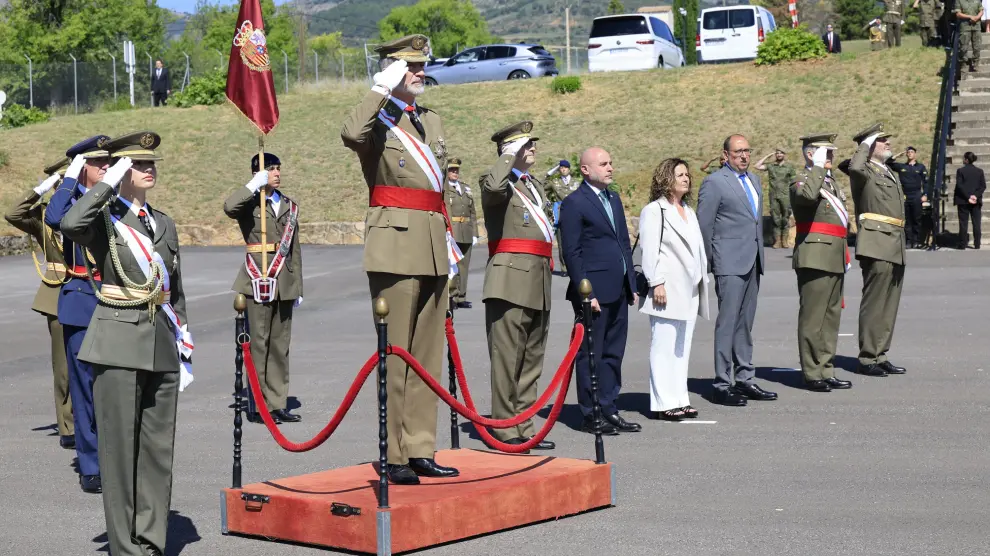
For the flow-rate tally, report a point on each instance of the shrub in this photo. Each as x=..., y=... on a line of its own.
x=206, y=90
x=122, y=103
x=16, y=115
x=564, y=85
x=787, y=43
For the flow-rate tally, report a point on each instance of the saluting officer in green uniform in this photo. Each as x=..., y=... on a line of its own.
x=463, y=225
x=138, y=343
x=880, y=247
x=272, y=292
x=28, y=217
x=821, y=255
x=407, y=253
x=969, y=13
x=781, y=175
x=926, y=20
x=517, y=279
x=892, y=15
x=560, y=184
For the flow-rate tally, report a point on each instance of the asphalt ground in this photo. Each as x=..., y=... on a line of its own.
x=895, y=466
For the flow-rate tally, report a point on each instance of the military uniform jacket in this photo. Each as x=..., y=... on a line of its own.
x=877, y=190
x=28, y=217
x=968, y=7
x=815, y=250
x=780, y=176
x=127, y=338
x=518, y=278
x=893, y=10
x=245, y=207
x=76, y=301
x=461, y=205
x=397, y=240
x=557, y=190
x=926, y=13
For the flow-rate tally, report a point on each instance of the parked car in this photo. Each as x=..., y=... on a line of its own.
x=632, y=42
x=732, y=34
x=493, y=62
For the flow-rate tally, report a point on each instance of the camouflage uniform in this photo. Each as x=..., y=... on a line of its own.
x=781, y=176
x=893, y=13
x=970, y=40
x=926, y=21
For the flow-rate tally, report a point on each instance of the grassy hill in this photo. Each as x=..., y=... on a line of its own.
x=640, y=117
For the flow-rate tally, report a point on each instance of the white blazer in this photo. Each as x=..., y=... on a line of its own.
x=680, y=263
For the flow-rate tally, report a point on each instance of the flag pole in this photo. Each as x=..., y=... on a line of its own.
x=264, y=199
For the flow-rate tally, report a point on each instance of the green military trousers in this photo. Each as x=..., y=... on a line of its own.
x=60, y=374
x=270, y=326
x=461, y=278
x=882, y=284
x=820, y=295
x=970, y=43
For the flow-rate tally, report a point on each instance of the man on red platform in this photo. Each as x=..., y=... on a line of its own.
x=408, y=250
x=517, y=279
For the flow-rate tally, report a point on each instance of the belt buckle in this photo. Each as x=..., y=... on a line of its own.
x=264, y=289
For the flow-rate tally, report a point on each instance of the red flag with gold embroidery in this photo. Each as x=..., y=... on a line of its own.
x=250, y=85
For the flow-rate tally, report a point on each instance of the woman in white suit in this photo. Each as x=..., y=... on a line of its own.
x=676, y=268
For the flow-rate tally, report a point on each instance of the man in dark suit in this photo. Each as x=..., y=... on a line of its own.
x=833, y=44
x=730, y=213
x=968, y=198
x=595, y=243
x=161, y=85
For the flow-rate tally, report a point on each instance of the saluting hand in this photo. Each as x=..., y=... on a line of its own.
x=514, y=147
x=46, y=185
x=117, y=171
x=392, y=76
x=259, y=180
x=75, y=167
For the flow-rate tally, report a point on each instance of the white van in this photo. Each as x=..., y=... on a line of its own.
x=732, y=34
x=632, y=42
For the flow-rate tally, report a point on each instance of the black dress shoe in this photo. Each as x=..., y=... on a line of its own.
x=515, y=442
x=754, y=392
x=91, y=484
x=256, y=418
x=286, y=416
x=817, y=386
x=545, y=445
x=463, y=305
x=428, y=467
x=401, y=475
x=892, y=369
x=871, y=370
x=621, y=424
x=728, y=397
x=594, y=427
x=67, y=441
x=837, y=384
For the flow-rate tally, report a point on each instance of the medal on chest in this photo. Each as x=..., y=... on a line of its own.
x=526, y=217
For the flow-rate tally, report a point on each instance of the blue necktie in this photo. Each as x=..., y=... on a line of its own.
x=749, y=194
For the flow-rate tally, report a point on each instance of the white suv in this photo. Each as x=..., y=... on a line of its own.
x=632, y=42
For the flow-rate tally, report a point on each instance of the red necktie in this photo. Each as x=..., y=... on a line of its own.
x=143, y=217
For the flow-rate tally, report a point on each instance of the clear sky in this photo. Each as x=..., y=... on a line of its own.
x=189, y=6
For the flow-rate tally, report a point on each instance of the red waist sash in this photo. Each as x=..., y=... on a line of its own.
x=524, y=246
x=404, y=197
x=834, y=230
x=79, y=271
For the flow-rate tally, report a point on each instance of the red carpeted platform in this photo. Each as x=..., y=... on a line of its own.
x=494, y=492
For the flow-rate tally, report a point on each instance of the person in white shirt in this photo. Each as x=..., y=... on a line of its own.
x=676, y=268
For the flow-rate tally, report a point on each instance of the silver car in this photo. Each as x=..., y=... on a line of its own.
x=493, y=62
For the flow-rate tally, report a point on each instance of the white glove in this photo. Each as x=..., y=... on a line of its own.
x=820, y=157
x=259, y=180
x=75, y=167
x=474, y=240
x=117, y=171
x=553, y=171
x=514, y=147
x=298, y=302
x=870, y=140
x=392, y=76
x=46, y=185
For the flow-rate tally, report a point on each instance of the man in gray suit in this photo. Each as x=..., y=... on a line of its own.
x=730, y=213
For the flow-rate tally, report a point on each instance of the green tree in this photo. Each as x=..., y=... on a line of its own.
x=328, y=44
x=447, y=23
x=687, y=23
x=616, y=7
x=853, y=17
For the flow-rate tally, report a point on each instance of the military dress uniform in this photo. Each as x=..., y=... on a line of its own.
x=970, y=34
x=76, y=304
x=137, y=345
x=557, y=189
x=821, y=256
x=406, y=253
x=28, y=217
x=464, y=227
x=880, y=250
x=269, y=321
x=892, y=15
x=517, y=285
x=781, y=176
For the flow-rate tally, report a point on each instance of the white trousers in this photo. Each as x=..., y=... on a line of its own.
x=670, y=353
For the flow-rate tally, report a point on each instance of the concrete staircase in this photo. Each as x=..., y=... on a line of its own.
x=970, y=131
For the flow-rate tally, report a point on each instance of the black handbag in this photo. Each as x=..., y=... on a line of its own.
x=642, y=284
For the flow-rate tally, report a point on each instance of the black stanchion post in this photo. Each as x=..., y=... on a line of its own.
x=381, y=311
x=584, y=288
x=455, y=437
x=240, y=334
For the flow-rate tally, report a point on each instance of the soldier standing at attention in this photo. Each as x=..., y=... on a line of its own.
x=409, y=251
x=275, y=290
x=464, y=226
x=969, y=13
x=139, y=343
x=894, y=11
x=879, y=248
x=821, y=257
x=926, y=20
x=77, y=301
x=28, y=217
x=560, y=184
x=781, y=176
x=517, y=279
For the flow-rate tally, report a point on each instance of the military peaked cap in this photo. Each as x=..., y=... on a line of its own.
x=826, y=140
x=139, y=145
x=453, y=164
x=270, y=160
x=58, y=167
x=513, y=132
x=412, y=48
x=875, y=128
x=94, y=147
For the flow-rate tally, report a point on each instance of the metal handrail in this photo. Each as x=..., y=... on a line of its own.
x=944, y=125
